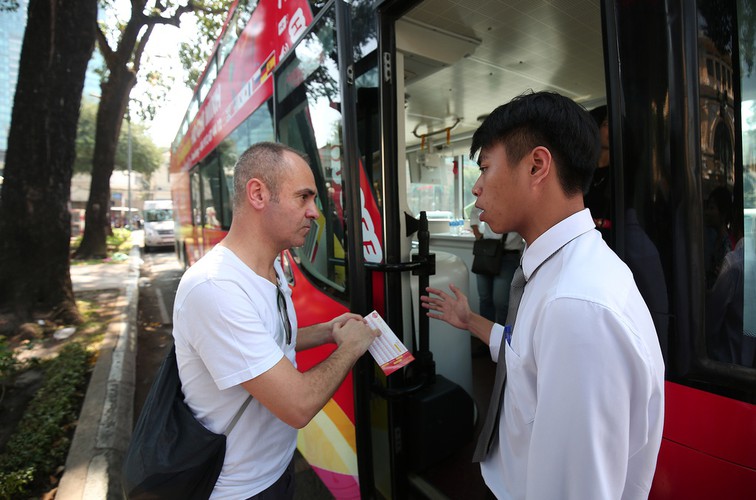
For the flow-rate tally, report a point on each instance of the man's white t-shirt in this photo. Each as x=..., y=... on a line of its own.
x=584, y=401
x=227, y=330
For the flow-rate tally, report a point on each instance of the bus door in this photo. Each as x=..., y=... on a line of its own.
x=315, y=112
x=328, y=104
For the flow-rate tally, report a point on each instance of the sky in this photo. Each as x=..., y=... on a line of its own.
x=163, y=44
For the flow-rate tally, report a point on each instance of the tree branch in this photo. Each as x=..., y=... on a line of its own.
x=141, y=44
x=173, y=20
x=107, y=52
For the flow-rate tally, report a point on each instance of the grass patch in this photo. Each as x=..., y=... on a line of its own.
x=93, y=328
x=118, y=247
x=8, y=365
x=42, y=437
x=38, y=419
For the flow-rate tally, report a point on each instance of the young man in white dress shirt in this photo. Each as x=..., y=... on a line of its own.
x=583, y=406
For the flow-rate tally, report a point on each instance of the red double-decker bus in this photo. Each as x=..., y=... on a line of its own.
x=383, y=97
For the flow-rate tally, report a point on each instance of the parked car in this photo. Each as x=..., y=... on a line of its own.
x=158, y=224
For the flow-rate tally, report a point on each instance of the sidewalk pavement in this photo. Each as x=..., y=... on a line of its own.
x=93, y=466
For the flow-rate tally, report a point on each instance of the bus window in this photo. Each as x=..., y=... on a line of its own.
x=728, y=158
x=309, y=101
x=232, y=32
x=441, y=184
x=208, y=79
x=214, y=193
x=196, y=197
x=258, y=127
x=470, y=174
x=192, y=111
x=243, y=13
x=433, y=189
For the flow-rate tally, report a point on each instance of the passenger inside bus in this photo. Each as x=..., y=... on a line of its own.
x=731, y=328
x=719, y=239
x=210, y=218
x=599, y=196
x=640, y=253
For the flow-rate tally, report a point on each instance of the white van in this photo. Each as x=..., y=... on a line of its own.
x=158, y=224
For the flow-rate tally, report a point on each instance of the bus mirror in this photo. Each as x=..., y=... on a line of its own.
x=411, y=223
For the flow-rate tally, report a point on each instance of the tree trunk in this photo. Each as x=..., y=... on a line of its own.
x=115, y=96
x=35, y=227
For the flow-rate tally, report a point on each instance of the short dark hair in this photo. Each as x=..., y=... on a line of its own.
x=264, y=161
x=550, y=120
x=600, y=114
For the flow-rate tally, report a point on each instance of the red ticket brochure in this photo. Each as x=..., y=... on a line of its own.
x=387, y=350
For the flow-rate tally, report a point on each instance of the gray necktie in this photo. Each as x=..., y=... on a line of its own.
x=491, y=424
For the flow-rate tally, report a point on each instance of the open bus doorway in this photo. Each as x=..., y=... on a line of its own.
x=455, y=62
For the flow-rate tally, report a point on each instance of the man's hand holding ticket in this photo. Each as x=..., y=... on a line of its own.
x=387, y=350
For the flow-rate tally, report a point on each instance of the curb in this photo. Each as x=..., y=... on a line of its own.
x=93, y=465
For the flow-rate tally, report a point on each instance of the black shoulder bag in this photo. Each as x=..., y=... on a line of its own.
x=487, y=255
x=171, y=454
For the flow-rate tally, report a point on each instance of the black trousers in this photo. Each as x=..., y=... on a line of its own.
x=282, y=489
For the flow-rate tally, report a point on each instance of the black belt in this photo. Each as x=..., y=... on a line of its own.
x=511, y=251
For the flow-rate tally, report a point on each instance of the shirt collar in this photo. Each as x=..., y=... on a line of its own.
x=555, y=238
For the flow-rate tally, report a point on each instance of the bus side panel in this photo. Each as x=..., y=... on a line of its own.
x=182, y=215
x=696, y=418
x=211, y=237
x=372, y=238
x=328, y=442
x=273, y=28
x=686, y=473
x=718, y=457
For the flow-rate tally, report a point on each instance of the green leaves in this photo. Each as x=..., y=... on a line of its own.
x=145, y=154
x=8, y=5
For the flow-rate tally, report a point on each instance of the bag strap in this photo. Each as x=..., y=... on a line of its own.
x=237, y=416
x=230, y=427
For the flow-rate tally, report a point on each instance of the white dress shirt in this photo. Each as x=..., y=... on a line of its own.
x=584, y=401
